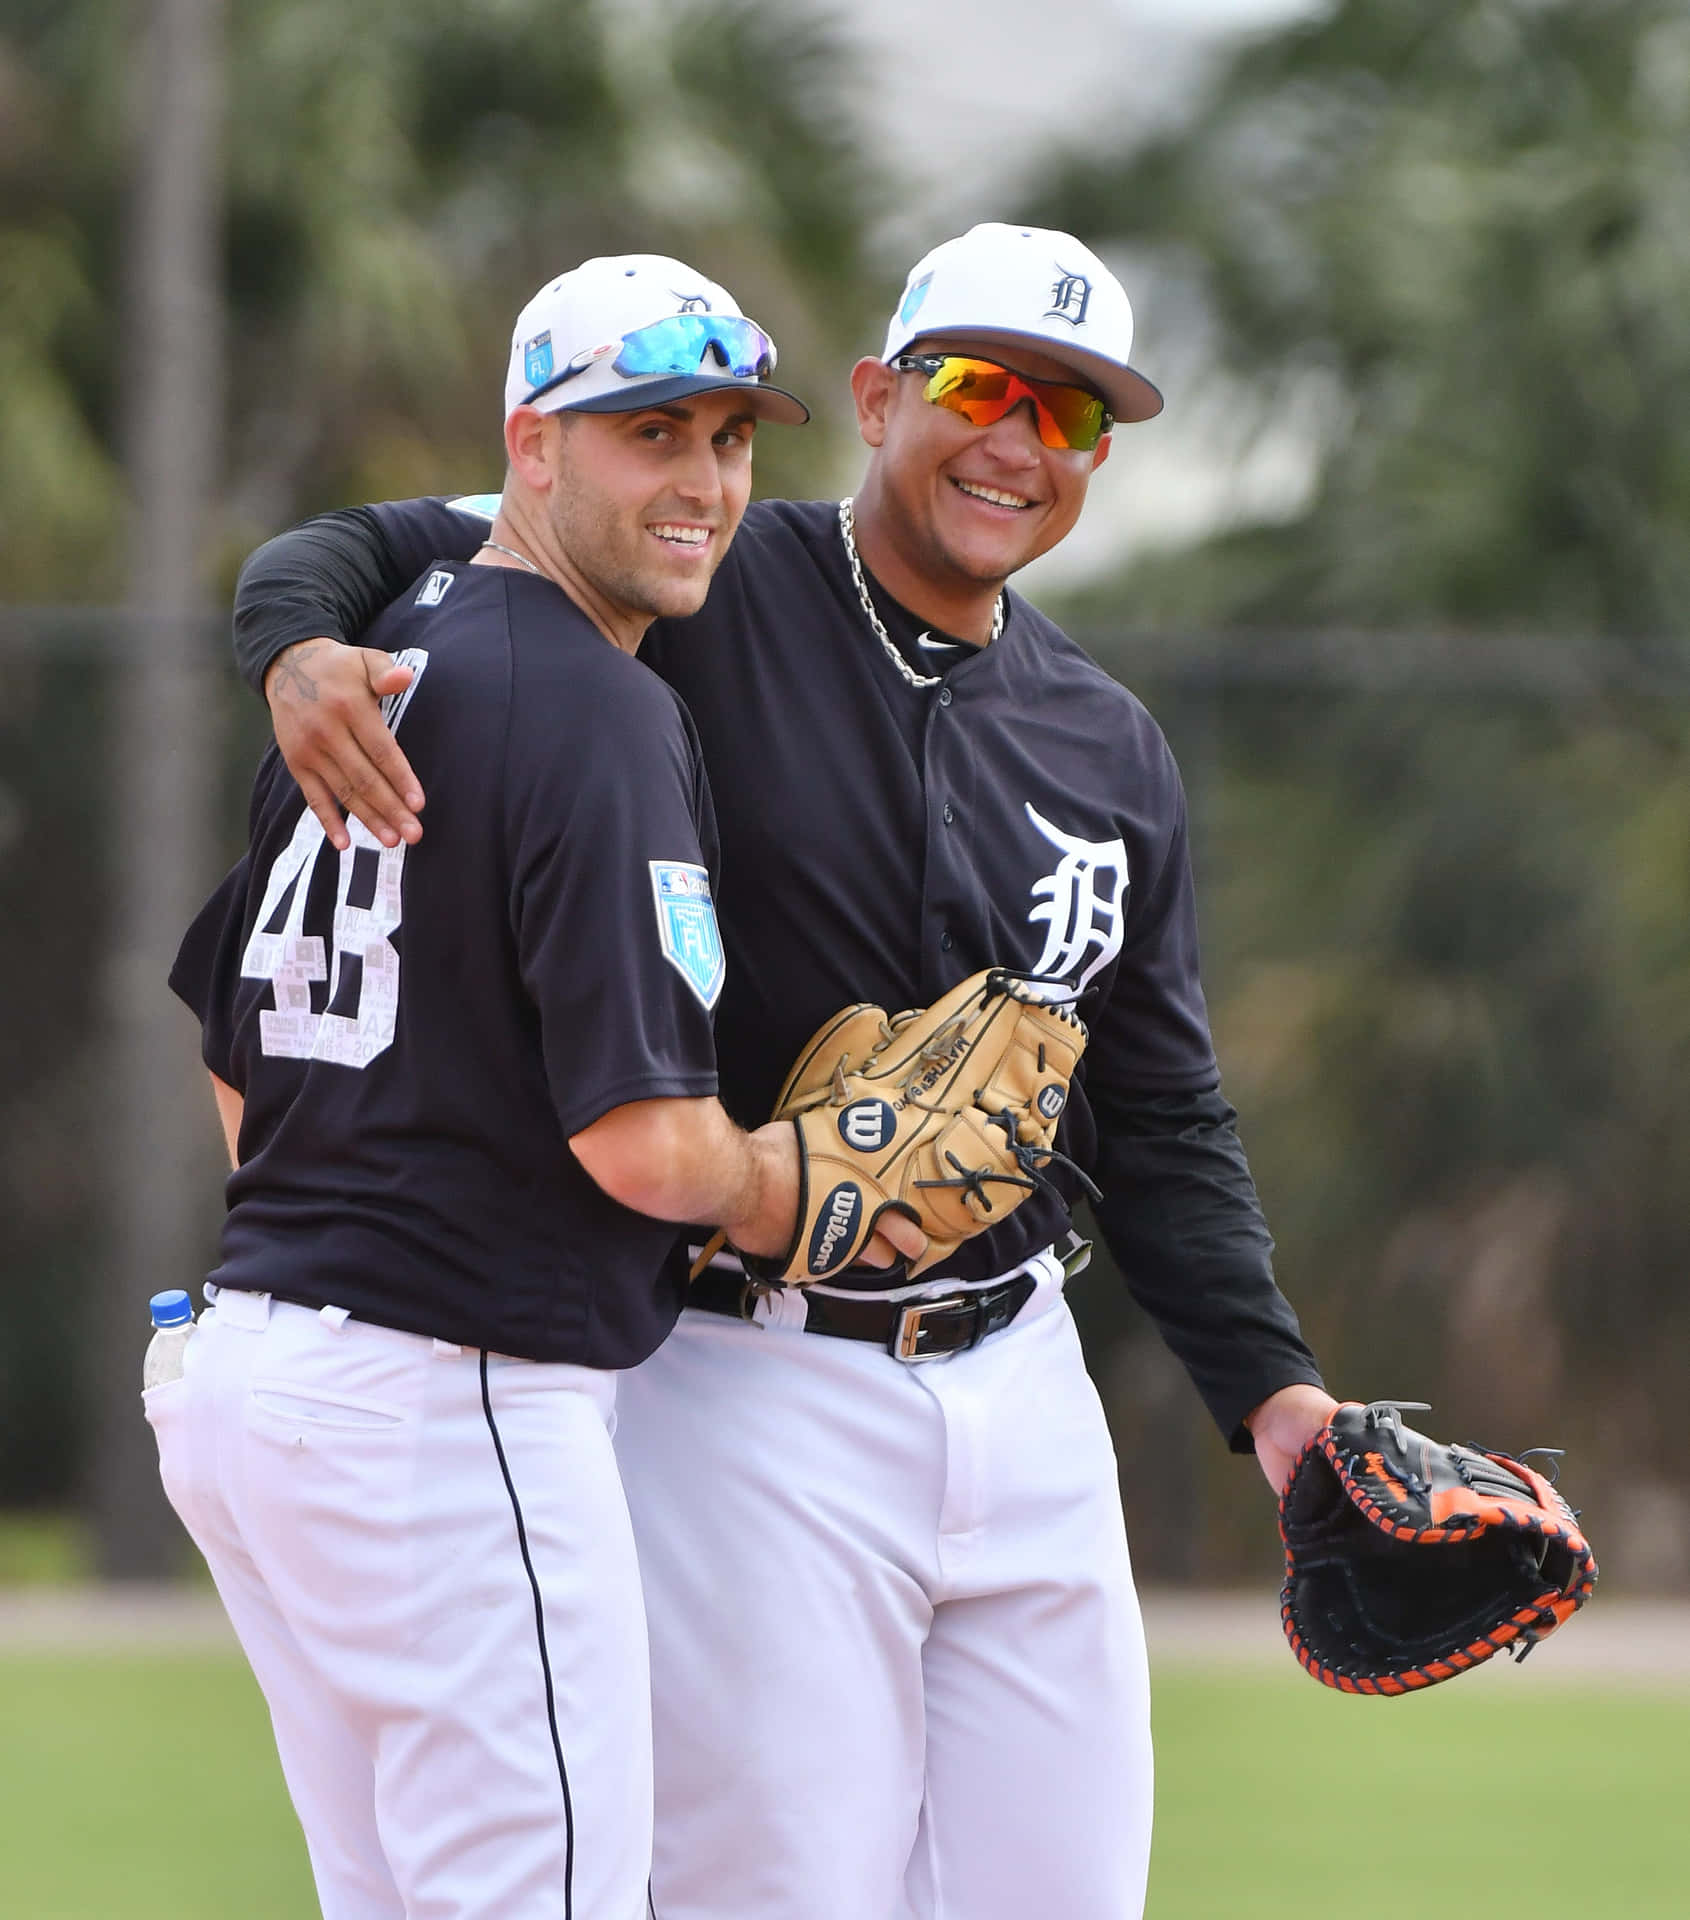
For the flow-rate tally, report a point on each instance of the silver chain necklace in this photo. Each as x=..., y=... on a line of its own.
x=847, y=532
x=511, y=553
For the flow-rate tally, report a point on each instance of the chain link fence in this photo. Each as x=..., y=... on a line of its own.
x=1445, y=894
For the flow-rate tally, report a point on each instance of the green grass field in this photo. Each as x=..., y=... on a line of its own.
x=1489, y=1799
x=143, y=1789
x=146, y=1789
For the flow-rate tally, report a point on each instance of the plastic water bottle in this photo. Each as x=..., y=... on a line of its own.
x=173, y=1328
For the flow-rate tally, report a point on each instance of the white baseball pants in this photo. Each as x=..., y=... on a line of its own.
x=898, y=1667
x=426, y=1555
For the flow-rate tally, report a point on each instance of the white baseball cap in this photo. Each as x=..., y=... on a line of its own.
x=600, y=339
x=1034, y=284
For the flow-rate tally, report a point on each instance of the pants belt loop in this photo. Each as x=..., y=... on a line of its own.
x=782, y=1307
x=250, y=1312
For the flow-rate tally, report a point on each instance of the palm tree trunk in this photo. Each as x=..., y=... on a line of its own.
x=164, y=772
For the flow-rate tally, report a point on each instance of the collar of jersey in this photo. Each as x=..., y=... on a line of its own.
x=908, y=630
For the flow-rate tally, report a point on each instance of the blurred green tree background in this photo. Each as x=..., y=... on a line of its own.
x=1434, y=709
x=400, y=176
x=1444, y=246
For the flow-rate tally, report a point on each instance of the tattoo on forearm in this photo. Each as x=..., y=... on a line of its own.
x=289, y=675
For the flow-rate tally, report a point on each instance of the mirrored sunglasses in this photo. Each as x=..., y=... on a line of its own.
x=1069, y=417
x=679, y=345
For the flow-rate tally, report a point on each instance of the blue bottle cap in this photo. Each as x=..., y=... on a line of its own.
x=171, y=1309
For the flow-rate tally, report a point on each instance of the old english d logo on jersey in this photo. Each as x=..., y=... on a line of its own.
x=1081, y=904
x=686, y=926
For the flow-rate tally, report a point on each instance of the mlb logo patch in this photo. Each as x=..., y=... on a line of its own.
x=435, y=588
x=537, y=359
x=686, y=927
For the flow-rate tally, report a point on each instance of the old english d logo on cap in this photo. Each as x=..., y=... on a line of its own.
x=1035, y=284
x=1070, y=295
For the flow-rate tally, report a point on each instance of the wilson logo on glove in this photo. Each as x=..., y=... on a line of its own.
x=947, y=1114
x=833, y=1229
x=867, y=1125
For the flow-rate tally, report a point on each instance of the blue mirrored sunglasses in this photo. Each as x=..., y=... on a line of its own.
x=679, y=345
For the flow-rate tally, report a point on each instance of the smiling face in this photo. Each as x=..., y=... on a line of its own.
x=630, y=513
x=646, y=503
x=956, y=506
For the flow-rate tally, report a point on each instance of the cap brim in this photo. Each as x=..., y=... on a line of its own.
x=768, y=403
x=1131, y=397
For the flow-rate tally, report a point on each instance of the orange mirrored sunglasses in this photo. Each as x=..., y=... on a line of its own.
x=1069, y=417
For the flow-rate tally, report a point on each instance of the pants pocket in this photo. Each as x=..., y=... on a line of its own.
x=166, y=1408
x=304, y=1406
x=157, y=1400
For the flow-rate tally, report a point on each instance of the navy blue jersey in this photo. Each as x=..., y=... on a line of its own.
x=882, y=841
x=418, y=1031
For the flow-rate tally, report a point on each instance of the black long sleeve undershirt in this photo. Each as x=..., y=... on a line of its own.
x=1180, y=1211
x=331, y=576
x=1182, y=1218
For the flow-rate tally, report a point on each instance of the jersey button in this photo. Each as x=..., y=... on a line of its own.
x=944, y=696
x=949, y=814
x=945, y=943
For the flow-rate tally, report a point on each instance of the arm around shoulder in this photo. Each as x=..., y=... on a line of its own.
x=333, y=574
x=298, y=597
x=325, y=705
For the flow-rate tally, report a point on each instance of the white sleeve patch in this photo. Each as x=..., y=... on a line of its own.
x=686, y=926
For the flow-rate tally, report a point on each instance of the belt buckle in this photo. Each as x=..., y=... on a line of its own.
x=905, y=1341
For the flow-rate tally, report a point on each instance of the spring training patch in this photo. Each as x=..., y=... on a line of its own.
x=686, y=927
x=537, y=359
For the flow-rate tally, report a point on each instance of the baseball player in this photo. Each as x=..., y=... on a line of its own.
x=467, y=1084
x=898, y=1663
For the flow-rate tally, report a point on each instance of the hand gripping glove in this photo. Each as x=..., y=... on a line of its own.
x=947, y=1113
x=1408, y=1561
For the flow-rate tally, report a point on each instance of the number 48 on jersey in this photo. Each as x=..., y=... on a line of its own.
x=361, y=1013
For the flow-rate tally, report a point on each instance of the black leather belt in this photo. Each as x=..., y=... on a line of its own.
x=907, y=1329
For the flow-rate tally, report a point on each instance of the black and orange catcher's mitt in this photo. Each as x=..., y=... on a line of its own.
x=1408, y=1561
x=947, y=1113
